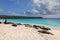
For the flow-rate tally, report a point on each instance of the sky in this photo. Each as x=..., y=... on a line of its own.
x=43, y=8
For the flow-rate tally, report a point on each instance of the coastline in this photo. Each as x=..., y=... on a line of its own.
x=50, y=26
x=8, y=32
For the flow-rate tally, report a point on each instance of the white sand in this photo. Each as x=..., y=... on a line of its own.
x=8, y=32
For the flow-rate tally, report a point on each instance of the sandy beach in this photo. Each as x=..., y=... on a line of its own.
x=8, y=32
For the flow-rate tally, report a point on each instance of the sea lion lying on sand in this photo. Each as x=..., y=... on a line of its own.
x=28, y=25
x=45, y=32
x=44, y=28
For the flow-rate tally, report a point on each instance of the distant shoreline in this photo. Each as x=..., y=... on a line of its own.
x=15, y=17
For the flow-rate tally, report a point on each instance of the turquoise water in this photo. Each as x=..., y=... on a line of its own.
x=37, y=21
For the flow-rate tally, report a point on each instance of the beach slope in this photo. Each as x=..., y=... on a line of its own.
x=8, y=32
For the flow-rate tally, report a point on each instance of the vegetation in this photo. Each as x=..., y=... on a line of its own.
x=14, y=17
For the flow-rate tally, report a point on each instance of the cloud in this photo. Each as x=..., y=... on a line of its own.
x=49, y=3
x=47, y=7
x=52, y=16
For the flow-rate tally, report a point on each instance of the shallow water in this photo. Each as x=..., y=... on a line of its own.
x=37, y=21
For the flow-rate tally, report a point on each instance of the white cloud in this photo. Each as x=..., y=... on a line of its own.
x=52, y=16
x=35, y=11
x=49, y=3
x=47, y=7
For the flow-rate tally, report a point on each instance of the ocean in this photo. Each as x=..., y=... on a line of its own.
x=46, y=21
